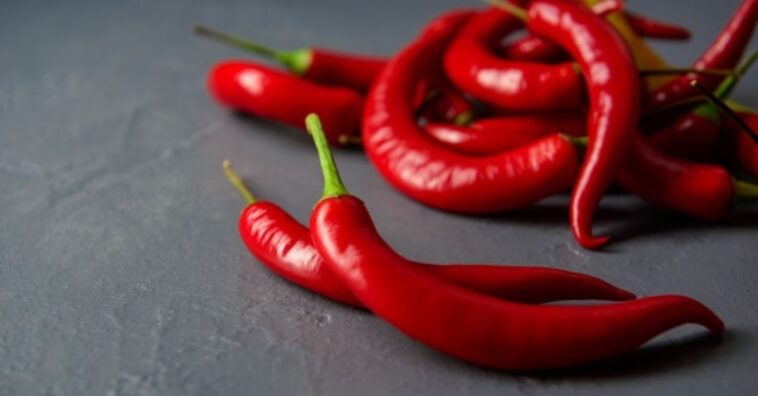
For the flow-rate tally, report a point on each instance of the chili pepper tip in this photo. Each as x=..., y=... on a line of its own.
x=333, y=186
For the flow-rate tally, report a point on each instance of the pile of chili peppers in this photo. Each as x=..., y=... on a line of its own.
x=471, y=118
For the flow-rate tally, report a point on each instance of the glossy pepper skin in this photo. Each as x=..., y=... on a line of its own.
x=477, y=328
x=724, y=53
x=613, y=86
x=464, y=323
x=489, y=136
x=271, y=94
x=704, y=191
x=284, y=246
x=473, y=66
x=742, y=150
x=440, y=177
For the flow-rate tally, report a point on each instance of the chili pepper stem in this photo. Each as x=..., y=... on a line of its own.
x=297, y=61
x=237, y=182
x=464, y=118
x=512, y=9
x=744, y=190
x=578, y=141
x=333, y=186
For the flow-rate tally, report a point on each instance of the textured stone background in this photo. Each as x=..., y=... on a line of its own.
x=121, y=271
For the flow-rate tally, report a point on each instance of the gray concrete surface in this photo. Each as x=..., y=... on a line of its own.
x=121, y=271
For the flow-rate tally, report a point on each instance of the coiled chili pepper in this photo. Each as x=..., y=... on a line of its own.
x=268, y=93
x=614, y=91
x=472, y=326
x=317, y=64
x=437, y=176
x=472, y=65
x=284, y=246
x=489, y=136
x=724, y=53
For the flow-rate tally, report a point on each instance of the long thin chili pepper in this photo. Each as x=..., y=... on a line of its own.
x=317, y=64
x=284, y=246
x=472, y=326
x=614, y=91
x=489, y=136
x=652, y=28
x=440, y=177
x=724, y=53
x=269, y=93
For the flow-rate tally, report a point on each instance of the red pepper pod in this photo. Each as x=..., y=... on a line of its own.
x=472, y=65
x=342, y=69
x=652, y=28
x=284, y=246
x=703, y=191
x=690, y=136
x=437, y=176
x=489, y=136
x=477, y=328
x=742, y=149
x=279, y=96
x=724, y=53
x=613, y=85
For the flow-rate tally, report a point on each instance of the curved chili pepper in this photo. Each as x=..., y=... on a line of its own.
x=442, y=178
x=269, y=93
x=490, y=136
x=724, y=53
x=649, y=27
x=318, y=64
x=284, y=246
x=614, y=91
x=472, y=65
x=472, y=326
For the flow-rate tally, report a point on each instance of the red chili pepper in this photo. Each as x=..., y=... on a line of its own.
x=469, y=325
x=442, y=178
x=282, y=97
x=284, y=246
x=724, y=53
x=694, y=134
x=317, y=64
x=490, y=136
x=614, y=91
x=472, y=65
x=649, y=27
x=745, y=148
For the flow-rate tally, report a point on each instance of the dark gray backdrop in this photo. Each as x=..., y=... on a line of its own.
x=121, y=271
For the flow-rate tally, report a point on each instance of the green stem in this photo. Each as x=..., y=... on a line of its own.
x=237, y=182
x=333, y=186
x=512, y=9
x=297, y=61
x=727, y=86
x=744, y=190
x=578, y=141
